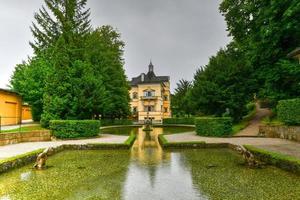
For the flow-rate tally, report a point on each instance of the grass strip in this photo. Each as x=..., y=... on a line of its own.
x=282, y=161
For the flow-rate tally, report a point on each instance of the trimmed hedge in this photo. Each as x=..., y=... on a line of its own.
x=182, y=120
x=214, y=126
x=288, y=111
x=75, y=128
x=115, y=122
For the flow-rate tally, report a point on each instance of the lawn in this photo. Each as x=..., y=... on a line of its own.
x=24, y=129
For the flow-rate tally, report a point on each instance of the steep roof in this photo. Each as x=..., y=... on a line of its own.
x=8, y=91
x=150, y=77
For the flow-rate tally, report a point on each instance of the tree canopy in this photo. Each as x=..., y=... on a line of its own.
x=180, y=104
x=266, y=31
x=255, y=62
x=76, y=71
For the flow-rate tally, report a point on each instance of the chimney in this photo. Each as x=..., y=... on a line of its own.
x=142, y=77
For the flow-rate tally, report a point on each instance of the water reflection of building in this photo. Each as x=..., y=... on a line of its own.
x=157, y=174
x=146, y=149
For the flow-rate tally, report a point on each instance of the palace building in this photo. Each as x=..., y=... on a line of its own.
x=150, y=96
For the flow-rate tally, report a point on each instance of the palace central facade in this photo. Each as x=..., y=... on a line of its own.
x=150, y=96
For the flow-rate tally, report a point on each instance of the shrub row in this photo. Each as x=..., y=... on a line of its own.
x=75, y=128
x=214, y=126
x=185, y=120
x=115, y=122
x=288, y=111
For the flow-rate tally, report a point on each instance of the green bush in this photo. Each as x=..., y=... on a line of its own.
x=182, y=120
x=214, y=126
x=250, y=107
x=115, y=122
x=288, y=111
x=46, y=118
x=75, y=128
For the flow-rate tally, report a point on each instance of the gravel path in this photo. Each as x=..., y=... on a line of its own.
x=271, y=144
x=21, y=148
x=253, y=128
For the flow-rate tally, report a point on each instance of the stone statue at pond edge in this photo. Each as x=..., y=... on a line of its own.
x=248, y=157
x=42, y=158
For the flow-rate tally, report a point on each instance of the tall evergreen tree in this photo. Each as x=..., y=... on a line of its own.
x=223, y=83
x=81, y=71
x=107, y=58
x=66, y=18
x=180, y=103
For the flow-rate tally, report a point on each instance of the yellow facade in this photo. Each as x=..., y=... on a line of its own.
x=10, y=107
x=150, y=97
x=26, y=112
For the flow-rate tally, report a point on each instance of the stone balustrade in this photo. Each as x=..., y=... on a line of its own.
x=30, y=136
x=283, y=132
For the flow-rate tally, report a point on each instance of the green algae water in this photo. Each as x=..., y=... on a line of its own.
x=146, y=172
x=127, y=130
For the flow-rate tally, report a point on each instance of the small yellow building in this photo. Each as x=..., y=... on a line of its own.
x=150, y=96
x=26, y=112
x=10, y=107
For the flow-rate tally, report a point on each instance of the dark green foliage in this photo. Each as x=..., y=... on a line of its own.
x=74, y=128
x=70, y=20
x=250, y=107
x=29, y=80
x=180, y=103
x=263, y=33
x=266, y=31
x=76, y=72
x=223, y=86
x=214, y=126
x=251, y=112
x=181, y=120
x=288, y=111
x=105, y=54
x=265, y=103
x=115, y=122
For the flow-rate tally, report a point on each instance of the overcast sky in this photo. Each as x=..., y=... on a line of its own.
x=178, y=35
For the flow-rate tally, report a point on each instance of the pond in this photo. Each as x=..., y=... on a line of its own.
x=148, y=172
x=127, y=130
